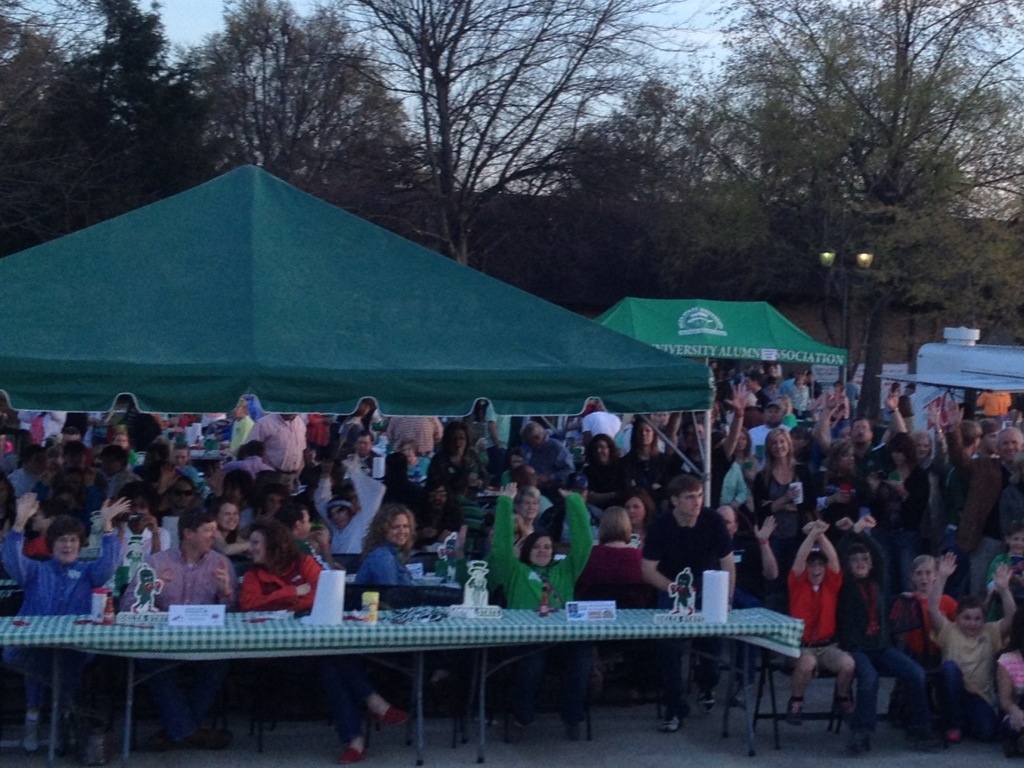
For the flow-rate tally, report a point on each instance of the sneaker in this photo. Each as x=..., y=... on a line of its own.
x=953, y=736
x=30, y=739
x=706, y=701
x=670, y=725
x=795, y=710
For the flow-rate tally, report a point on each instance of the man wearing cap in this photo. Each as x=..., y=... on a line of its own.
x=772, y=419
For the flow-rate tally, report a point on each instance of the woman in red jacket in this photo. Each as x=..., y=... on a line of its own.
x=282, y=578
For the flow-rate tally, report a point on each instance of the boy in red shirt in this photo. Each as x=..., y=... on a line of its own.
x=814, y=583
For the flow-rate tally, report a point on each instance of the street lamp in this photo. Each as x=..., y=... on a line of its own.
x=835, y=270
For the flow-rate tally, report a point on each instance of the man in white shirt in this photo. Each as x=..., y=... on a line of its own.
x=772, y=420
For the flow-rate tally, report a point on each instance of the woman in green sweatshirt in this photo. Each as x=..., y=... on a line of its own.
x=526, y=579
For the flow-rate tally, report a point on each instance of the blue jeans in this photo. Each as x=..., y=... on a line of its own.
x=347, y=687
x=182, y=712
x=575, y=660
x=37, y=666
x=889, y=663
x=962, y=708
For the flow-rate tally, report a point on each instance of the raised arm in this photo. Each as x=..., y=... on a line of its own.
x=1001, y=578
x=947, y=567
x=815, y=530
x=769, y=565
x=22, y=569
x=738, y=403
x=581, y=538
x=503, y=549
x=831, y=555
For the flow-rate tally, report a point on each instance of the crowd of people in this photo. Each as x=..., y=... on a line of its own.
x=899, y=543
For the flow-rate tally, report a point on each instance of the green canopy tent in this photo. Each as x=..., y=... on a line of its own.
x=733, y=330
x=248, y=285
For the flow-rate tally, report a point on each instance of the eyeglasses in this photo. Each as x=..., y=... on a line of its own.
x=182, y=492
x=67, y=540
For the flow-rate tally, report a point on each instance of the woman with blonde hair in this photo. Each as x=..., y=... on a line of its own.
x=783, y=488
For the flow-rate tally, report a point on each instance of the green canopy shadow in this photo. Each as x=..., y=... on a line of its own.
x=733, y=330
x=246, y=284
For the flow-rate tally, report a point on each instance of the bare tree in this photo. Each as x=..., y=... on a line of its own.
x=497, y=88
x=293, y=95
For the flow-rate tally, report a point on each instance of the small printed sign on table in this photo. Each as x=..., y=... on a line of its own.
x=590, y=610
x=196, y=615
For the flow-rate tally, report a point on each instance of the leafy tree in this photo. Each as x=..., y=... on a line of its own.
x=114, y=127
x=496, y=89
x=892, y=126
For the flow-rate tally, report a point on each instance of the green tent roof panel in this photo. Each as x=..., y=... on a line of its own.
x=733, y=330
x=246, y=284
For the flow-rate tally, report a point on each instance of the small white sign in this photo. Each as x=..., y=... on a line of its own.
x=770, y=355
x=590, y=610
x=196, y=615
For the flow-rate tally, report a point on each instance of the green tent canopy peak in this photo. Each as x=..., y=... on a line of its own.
x=246, y=284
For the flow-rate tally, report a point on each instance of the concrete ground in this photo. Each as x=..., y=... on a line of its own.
x=623, y=735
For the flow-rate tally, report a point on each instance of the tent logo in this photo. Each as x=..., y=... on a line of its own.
x=698, y=320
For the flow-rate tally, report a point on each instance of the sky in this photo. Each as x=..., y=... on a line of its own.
x=187, y=21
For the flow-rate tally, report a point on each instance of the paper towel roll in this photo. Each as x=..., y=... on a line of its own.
x=715, y=603
x=329, y=602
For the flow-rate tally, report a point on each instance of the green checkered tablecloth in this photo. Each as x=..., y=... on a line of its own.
x=242, y=637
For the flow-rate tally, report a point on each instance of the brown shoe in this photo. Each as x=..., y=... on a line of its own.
x=207, y=738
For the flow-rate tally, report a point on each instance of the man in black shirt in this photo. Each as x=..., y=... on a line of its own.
x=690, y=536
